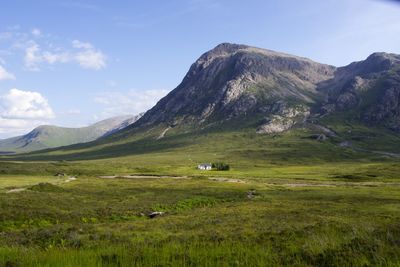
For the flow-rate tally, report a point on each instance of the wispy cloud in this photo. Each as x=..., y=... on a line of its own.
x=90, y=58
x=73, y=111
x=117, y=103
x=78, y=5
x=84, y=54
x=361, y=30
x=81, y=45
x=181, y=9
x=4, y=74
x=128, y=22
x=36, y=32
x=40, y=48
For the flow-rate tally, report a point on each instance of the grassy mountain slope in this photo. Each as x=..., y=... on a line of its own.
x=48, y=136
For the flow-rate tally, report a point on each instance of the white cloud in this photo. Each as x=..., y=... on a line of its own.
x=5, y=75
x=78, y=44
x=21, y=111
x=88, y=57
x=31, y=57
x=18, y=104
x=132, y=102
x=84, y=54
x=34, y=56
x=73, y=111
x=36, y=32
x=91, y=59
x=16, y=127
x=52, y=58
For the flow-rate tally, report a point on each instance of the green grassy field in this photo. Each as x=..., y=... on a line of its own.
x=288, y=200
x=103, y=222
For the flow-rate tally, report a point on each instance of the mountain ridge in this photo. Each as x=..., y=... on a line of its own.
x=226, y=73
x=233, y=80
x=50, y=136
x=238, y=88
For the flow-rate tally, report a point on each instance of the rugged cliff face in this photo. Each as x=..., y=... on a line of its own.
x=370, y=89
x=232, y=81
x=237, y=80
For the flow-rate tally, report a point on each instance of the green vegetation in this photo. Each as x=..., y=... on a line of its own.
x=103, y=222
x=287, y=200
x=220, y=166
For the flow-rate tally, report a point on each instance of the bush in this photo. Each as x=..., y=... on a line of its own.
x=46, y=187
x=220, y=166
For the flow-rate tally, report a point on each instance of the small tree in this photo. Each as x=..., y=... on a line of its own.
x=220, y=166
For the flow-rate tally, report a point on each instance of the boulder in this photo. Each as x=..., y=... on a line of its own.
x=154, y=214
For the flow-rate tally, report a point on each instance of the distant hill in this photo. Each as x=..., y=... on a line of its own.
x=48, y=136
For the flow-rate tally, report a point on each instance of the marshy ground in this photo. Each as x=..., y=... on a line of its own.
x=211, y=219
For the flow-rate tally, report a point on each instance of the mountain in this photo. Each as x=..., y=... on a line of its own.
x=281, y=90
x=48, y=136
x=234, y=95
x=369, y=91
x=233, y=80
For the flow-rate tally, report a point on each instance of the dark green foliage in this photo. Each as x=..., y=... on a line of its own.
x=220, y=166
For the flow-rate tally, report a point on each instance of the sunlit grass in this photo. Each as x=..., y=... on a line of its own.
x=103, y=222
x=20, y=181
x=311, y=204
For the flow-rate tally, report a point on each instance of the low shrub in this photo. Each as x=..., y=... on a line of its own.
x=220, y=166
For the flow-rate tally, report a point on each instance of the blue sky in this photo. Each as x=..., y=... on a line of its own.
x=71, y=63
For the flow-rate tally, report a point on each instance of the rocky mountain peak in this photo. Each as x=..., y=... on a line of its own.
x=280, y=90
x=233, y=80
x=224, y=49
x=220, y=52
x=378, y=62
x=248, y=54
x=383, y=56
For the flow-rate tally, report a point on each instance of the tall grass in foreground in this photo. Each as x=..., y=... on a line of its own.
x=225, y=253
x=352, y=221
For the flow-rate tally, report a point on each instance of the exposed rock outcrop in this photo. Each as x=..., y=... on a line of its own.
x=369, y=88
x=284, y=120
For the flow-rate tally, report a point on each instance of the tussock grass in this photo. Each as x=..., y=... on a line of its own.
x=99, y=222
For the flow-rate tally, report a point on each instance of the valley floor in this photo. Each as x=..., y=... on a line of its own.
x=300, y=216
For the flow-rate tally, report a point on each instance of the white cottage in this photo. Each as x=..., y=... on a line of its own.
x=205, y=166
